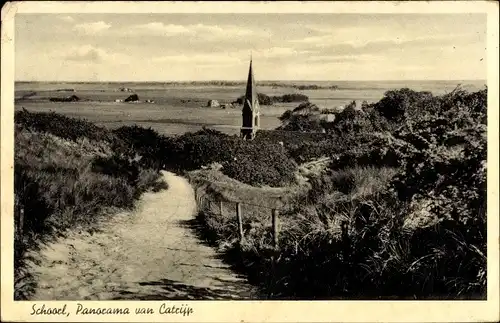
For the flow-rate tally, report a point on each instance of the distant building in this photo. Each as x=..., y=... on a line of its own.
x=213, y=104
x=251, y=109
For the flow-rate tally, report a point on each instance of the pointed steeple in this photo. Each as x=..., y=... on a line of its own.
x=251, y=91
x=251, y=109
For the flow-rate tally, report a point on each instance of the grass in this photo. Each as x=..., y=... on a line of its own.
x=345, y=232
x=412, y=229
x=298, y=223
x=348, y=242
x=356, y=182
x=182, y=101
x=217, y=186
x=57, y=187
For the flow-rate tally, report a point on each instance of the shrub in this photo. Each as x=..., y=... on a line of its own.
x=29, y=201
x=62, y=126
x=72, y=98
x=350, y=236
x=263, y=99
x=145, y=142
x=289, y=137
x=396, y=104
x=310, y=150
x=261, y=164
x=65, y=175
x=268, y=163
x=118, y=166
x=291, y=97
x=302, y=146
x=351, y=121
x=304, y=117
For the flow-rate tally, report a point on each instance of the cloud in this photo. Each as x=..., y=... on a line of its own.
x=226, y=31
x=91, y=54
x=344, y=58
x=270, y=53
x=277, y=52
x=230, y=58
x=158, y=28
x=332, y=45
x=198, y=59
x=92, y=27
x=380, y=37
x=67, y=19
x=358, y=40
x=206, y=32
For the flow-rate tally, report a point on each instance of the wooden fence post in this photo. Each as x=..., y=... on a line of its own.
x=240, y=221
x=275, y=215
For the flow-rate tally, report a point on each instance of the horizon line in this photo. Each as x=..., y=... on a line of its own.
x=244, y=81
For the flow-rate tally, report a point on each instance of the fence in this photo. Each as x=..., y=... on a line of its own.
x=215, y=203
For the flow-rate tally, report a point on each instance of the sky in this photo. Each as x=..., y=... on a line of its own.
x=184, y=47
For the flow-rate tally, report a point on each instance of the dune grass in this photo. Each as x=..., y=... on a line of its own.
x=58, y=186
x=350, y=230
x=398, y=214
x=348, y=241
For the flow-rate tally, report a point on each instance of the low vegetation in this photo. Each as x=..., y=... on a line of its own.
x=264, y=83
x=301, y=86
x=69, y=173
x=72, y=98
x=251, y=162
x=265, y=99
x=399, y=213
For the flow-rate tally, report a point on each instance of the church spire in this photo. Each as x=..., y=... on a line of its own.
x=251, y=109
x=251, y=93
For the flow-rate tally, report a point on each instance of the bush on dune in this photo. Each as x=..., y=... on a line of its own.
x=144, y=143
x=68, y=181
x=265, y=99
x=441, y=152
x=194, y=150
x=355, y=234
x=69, y=175
x=291, y=97
x=67, y=172
x=351, y=121
x=261, y=164
x=305, y=118
x=61, y=126
x=398, y=104
x=52, y=199
x=251, y=162
x=289, y=138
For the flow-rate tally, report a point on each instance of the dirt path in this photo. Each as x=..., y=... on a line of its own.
x=151, y=253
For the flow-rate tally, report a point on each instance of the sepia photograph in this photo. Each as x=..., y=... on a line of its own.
x=184, y=156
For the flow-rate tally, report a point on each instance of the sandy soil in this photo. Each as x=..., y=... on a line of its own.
x=152, y=253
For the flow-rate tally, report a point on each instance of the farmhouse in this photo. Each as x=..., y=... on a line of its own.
x=251, y=109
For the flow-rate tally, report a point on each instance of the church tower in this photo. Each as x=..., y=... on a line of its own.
x=251, y=108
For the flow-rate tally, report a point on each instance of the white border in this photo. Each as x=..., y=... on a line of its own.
x=258, y=311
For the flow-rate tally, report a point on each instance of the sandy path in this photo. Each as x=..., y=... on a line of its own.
x=151, y=253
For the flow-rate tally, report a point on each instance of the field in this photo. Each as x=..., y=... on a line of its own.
x=179, y=108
